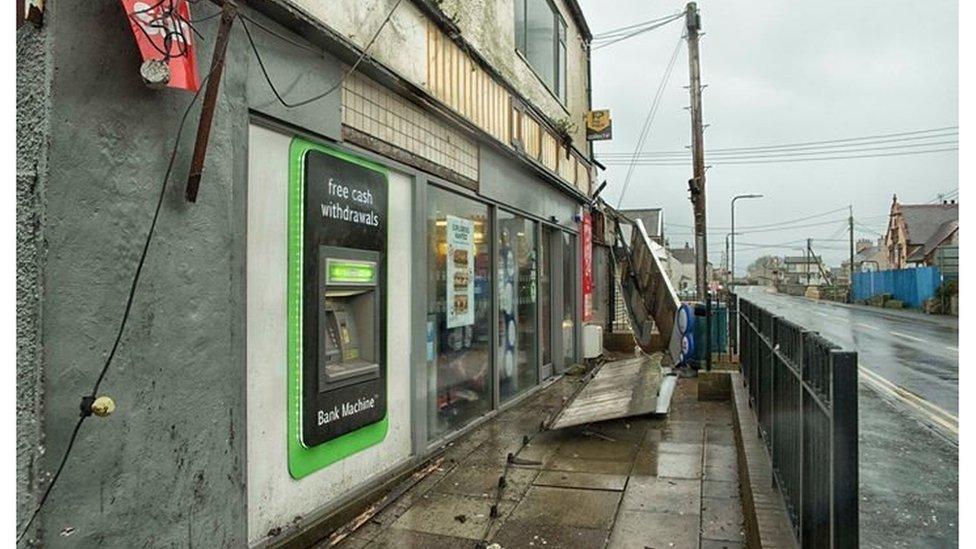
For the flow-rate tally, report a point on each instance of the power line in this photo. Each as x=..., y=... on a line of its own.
x=337, y=83
x=866, y=140
x=635, y=33
x=787, y=154
x=623, y=30
x=649, y=119
x=785, y=160
x=866, y=228
x=783, y=228
x=945, y=195
x=772, y=224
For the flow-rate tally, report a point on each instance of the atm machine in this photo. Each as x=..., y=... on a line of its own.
x=337, y=308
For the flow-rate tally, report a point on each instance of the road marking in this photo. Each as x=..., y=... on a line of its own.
x=910, y=394
x=868, y=326
x=822, y=314
x=899, y=334
x=929, y=411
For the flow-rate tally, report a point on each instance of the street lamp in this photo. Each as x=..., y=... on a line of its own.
x=732, y=283
x=729, y=272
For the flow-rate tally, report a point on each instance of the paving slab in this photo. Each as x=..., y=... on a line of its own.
x=659, y=482
x=720, y=489
x=521, y=535
x=722, y=520
x=720, y=435
x=482, y=481
x=397, y=538
x=642, y=529
x=720, y=544
x=673, y=447
x=588, y=481
x=720, y=470
x=677, y=466
x=717, y=453
x=681, y=496
x=596, y=448
x=592, y=509
x=449, y=515
x=567, y=463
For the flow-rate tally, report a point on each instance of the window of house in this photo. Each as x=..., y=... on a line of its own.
x=540, y=36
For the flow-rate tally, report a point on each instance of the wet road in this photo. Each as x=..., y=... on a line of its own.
x=908, y=414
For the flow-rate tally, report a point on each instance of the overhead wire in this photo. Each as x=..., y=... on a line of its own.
x=636, y=33
x=722, y=232
x=651, y=114
x=782, y=154
x=338, y=82
x=612, y=33
x=932, y=133
x=739, y=162
x=766, y=225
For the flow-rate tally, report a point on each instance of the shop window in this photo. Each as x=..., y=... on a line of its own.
x=569, y=299
x=517, y=298
x=540, y=36
x=459, y=378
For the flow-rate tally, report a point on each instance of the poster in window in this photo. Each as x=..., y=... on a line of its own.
x=587, y=260
x=460, y=272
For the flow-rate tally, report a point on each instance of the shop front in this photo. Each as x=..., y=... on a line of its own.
x=388, y=310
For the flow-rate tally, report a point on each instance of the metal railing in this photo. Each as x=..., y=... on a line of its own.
x=803, y=389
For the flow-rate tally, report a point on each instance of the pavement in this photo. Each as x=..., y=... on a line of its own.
x=908, y=414
x=637, y=482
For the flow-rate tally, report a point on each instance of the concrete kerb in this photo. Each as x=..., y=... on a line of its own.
x=766, y=519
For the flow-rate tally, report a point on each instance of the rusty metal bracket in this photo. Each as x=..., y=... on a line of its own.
x=227, y=16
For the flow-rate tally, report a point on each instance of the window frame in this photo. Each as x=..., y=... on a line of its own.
x=560, y=38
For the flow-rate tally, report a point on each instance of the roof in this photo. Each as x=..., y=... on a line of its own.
x=801, y=259
x=579, y=19
x=683, y=255
x=944, y=231
x=866, y=253
x=651, y=217
x=923, y=221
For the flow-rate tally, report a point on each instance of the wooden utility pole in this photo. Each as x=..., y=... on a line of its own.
x=850, y=225
x=697, y=183
x=808, y=260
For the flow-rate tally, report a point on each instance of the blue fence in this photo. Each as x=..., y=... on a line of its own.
x=911, y=286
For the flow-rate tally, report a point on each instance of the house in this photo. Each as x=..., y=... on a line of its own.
x=766, y=270
x=681, y=266
x=869, y=255
x=653, y=219
x=803, y=269
x=916, y=232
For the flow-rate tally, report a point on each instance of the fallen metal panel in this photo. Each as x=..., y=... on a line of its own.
x=623, y=388
x=649, y=296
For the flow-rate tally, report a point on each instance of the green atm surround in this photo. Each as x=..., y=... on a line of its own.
x=304, y=459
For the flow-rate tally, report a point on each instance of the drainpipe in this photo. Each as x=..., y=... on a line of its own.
x=589, y=94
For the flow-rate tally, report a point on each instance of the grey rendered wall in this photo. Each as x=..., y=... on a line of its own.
x=33, y=89
x=168, y=468
x=509, y=183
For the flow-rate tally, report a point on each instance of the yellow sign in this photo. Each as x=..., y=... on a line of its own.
x=598, y=126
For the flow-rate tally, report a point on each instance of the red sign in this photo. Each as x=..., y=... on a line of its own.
x=587, y=233
x=163, y=34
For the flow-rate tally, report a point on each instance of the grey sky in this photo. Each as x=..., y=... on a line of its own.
x=783, y=72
